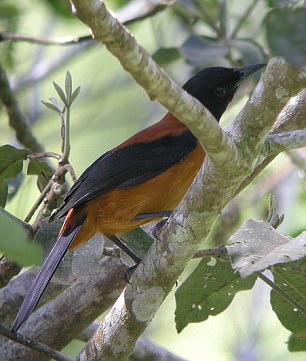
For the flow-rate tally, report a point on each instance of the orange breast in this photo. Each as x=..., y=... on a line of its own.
x=113, y=213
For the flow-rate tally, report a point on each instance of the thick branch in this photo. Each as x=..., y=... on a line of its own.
x=57, y=323
x=292, y=118
x=154, y=80
x=280, y=142
x=145, y=350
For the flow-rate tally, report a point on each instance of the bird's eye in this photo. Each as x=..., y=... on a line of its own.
x=221, y=91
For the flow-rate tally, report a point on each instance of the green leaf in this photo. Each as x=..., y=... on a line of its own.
x=291, y=278
x=209, y=290
x=75, y=94
x=203, y=50
x=60, y=92
x=280, y=3
x=68, y=87
x=61, y=8
x=42, y=170
x=37, y=167
x=296, y=344
x=3, y=192
x=14, y=243
x=52, y=105
x=286, y=34
x=11, y=161
x=164, y=56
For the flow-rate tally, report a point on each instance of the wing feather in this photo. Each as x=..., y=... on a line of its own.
x=127, y=167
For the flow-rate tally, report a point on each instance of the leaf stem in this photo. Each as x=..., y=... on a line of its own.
x=66, y=139
x=282, y=293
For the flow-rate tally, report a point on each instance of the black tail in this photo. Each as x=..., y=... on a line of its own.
x=44, y=276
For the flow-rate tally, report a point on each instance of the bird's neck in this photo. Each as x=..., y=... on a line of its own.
x=168, y=125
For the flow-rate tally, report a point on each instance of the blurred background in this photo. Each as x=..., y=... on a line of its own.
x=183, y=36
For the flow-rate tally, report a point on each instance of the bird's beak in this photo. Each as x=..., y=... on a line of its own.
x=248, y=70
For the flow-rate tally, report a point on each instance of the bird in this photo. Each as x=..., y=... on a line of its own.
x=141, y=180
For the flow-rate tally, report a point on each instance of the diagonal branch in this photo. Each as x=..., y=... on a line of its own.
x=135, y=59
x=56, y=323
x=211, y=190
x=144, y=349
x=280, y=142
x=16, y=118
x=279, y=83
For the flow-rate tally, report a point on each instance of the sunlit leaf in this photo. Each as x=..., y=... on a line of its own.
x=75, y=94
x=60, y=92
x=68, y=87
x=53, y=105
x=208, y=291
x=14, y=242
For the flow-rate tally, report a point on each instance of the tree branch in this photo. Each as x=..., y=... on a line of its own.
x=135, y=59
x=277, y=143
x=56, y=323
x=16, y=119
x=145, y=350
x=211, y=190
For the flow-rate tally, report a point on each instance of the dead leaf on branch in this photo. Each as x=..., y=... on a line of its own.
x=257, y=245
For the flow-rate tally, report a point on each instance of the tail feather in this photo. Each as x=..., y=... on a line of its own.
x=44, y=276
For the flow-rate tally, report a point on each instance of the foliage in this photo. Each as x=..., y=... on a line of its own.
x=14, y=242
x=207, y=32
x=208, y=291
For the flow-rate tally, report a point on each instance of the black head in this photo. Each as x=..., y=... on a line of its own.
x=215, y=87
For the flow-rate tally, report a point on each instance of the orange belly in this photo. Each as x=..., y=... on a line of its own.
x=113, y=212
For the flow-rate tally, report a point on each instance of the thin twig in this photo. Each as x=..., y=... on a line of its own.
x=282, y=293
x=38, y=201
x=4, y=36
x=71, y=171
x=34, y=345
x=219, y=252
x=44, y=155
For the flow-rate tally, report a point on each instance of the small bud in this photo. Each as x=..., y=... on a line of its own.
x=58, y=189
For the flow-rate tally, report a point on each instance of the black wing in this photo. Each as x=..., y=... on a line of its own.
x=126, y=167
